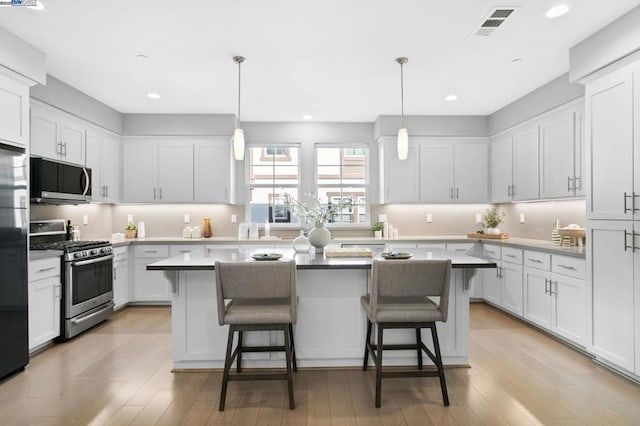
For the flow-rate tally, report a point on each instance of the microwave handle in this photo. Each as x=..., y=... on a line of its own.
x=86, y=178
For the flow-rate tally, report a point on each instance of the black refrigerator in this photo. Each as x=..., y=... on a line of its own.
x=14, y=313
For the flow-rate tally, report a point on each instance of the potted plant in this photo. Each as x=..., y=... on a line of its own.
x=377, y=230
x=131, y=230
x=492, y=219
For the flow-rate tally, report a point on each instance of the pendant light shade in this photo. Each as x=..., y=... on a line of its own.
x=238, y=134
x=403, y=135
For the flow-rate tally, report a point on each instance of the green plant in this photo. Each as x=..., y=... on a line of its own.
x=131, y=227
x=493, y=218
x=376, y=226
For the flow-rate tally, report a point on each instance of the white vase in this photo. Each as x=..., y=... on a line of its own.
x=493, y=231
x=377, y=235
x=319, y=237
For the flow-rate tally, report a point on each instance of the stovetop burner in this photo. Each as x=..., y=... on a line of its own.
x=69, y=246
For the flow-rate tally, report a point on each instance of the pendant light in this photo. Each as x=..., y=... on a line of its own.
x=403, y=136
x=238, y=134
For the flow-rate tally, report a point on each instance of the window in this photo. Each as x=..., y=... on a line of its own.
x=342, y=178
x=272, y=171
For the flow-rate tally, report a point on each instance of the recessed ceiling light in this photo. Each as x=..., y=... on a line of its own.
x=451, y=98
x=307, y=117
x=153, y=95
x=558, y=10
x=37, y=6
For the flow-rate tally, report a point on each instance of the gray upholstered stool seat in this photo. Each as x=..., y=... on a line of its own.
x=402, y=293
x=257, y=296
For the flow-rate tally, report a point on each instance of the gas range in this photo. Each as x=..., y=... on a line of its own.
x=77, y=250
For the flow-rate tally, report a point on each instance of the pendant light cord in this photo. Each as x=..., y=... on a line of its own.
x=401, y=95
x=239, y=82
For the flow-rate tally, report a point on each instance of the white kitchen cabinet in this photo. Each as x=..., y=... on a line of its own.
x=525, y=184
x=453, y=172
x=214, y=171
x=150, y=286
x=569, y=308
x=120, y=276
x=561, y=154
x=175, y=172
x=537, y=301
x=501, y=169
x=139, y=172
x=512, y=286
x=611, y=147
x=103, y=158
x=399, y=179
x=56, y=135
x=492, y=285
x=14, y=104
x=611, y=277
x=44, y=301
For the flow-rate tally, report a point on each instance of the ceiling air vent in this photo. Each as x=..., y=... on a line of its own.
x=493, y=20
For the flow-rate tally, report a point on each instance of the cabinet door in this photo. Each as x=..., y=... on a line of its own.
x=72, y=141
x=212, y=172
x=175, y=172
x=609, y=109
x=120, y=283
x=525, y=165
x=471, y=172
x=44, y=310
x=537, y=300
x=436, y=173
x=14, y=104
x=512, y=298
x=399, y=179
x=45, y=133
x=557, y=156
x=111, y=168
x=140, y=172
x=611, y=278
x=579, y=153
x=94, y=162
x=501, y=169
x=569, y=308
x=492, y=285
x=149, y=286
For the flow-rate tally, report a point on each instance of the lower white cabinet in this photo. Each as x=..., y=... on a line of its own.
x=569, y=315
x=120, y=276
x=511, y=277
x=537, y=300
x=492, y=285
x=150, y=286
x=44, y=301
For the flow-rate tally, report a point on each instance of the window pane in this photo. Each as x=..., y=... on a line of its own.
x=328, y=156
x=268, y=204
x=352, y=200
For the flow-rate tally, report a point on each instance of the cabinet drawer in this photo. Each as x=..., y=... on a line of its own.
x=44, y=268
x=177, y=249
x=460, y=247
x=492, y=252
x=571, y=266
x=120, y=253
x=512, y=255
x=152, y=251
x=536, y=259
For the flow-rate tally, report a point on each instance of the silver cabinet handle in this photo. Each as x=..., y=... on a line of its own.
x=510, y=255
x=47, y=269
x=571, y=268
x=534, y=260
x=508, y=191
x=154, y=193
x=633, y=202
x=451, y=193
x=457, y=193
x=551, y=292
x=151, y=251
x=625, y=241
x=577, y=179
x=513, y=191
x=569, y=188
x=497, y=272
x=186, y=251
x=461, y=249
x=546, y=283
x=160, y=193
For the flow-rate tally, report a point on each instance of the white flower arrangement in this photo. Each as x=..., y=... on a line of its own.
x=318, y=213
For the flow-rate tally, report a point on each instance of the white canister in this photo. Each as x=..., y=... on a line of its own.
x=253, y=231
x=195, y=232
x=186, y=232
x=243, y=231
x=141, y=230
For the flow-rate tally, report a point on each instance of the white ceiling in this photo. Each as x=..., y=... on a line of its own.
x=333, y=59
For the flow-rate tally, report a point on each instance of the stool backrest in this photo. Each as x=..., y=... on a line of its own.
x=411, y=278
x=255, y=280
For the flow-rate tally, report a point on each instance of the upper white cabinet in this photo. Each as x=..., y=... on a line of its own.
x=14, y=104
x=214, y=169
x=611, y=145
x=514, y=165
x=55, y=135
x=453, y=171
x=103, y=158
x=157, y=172
x=398, y=178
x=501, y=168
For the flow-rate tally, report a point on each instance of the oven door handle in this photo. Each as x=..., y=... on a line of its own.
x=88, y=317
x=96, y=260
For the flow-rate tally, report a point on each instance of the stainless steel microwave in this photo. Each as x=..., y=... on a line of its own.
x=54, y=182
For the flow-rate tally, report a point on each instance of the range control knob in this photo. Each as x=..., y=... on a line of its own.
x=77, y=255
x=92, y=252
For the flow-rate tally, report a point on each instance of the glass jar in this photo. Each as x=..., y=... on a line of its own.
x=207, y=231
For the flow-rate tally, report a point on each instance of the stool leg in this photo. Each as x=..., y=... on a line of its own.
x=287, y=348
x=379, y=366
x=366, y=346
x=227, y=367
x=293, y=348
x=239, y=360
x=436, y=347
x=419, y=345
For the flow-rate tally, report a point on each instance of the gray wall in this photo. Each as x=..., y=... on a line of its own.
x=435, y=125
x=178, y=124
x=555, y=93
x=615, y=41
x=21, y=57
x=60, y=95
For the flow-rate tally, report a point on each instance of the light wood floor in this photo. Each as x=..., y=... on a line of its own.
x=120, y=374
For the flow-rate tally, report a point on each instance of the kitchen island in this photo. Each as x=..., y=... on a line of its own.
x=330, y=331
